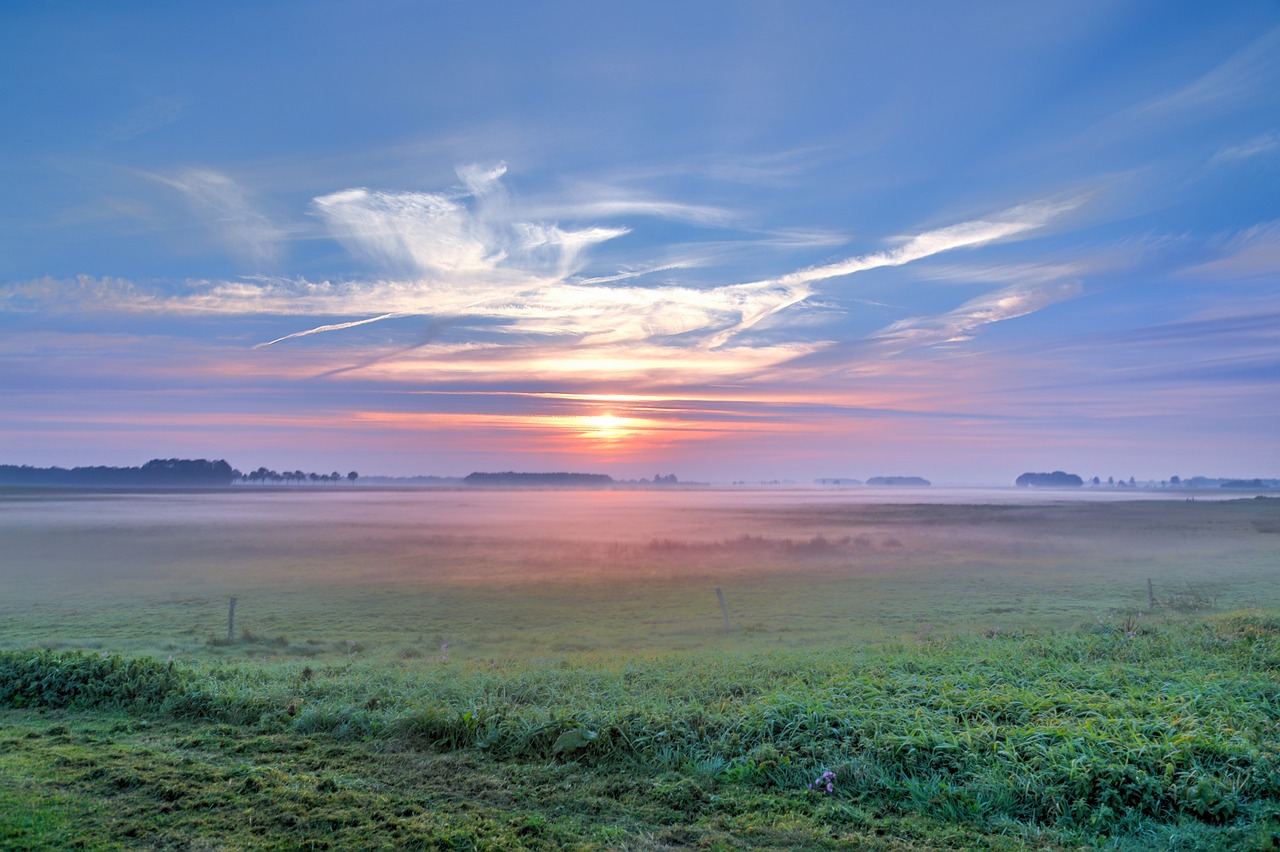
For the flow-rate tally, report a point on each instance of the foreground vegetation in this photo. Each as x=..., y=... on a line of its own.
x=1152, y=733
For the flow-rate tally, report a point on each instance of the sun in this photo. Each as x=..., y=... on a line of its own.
x=607, y=428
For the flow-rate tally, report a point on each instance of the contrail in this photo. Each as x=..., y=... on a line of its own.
x=335, y=327
x=433, y=332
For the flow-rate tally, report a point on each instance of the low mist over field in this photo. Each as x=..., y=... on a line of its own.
x=514, y=573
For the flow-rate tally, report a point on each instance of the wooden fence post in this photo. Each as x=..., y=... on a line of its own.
x=724, y=608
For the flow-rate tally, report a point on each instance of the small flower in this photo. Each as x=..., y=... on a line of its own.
x=825, y=782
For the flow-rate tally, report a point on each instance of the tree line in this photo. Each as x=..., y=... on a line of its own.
x=161, y=473
x=155, y=473
x=293, y=477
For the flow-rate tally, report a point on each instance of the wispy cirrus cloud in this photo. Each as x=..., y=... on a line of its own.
x=1005, y=225
x=227, y=209
x=1251, y=70
x=963, y=322
x=1263, y=144
x=538, y=304
x=510, y=283
x=151, y=115
x=1251, y=253
x=456, y=235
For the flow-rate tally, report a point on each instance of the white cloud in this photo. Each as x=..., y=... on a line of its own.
x=1010, y=223
x=963, y=322
x=226, y=207
x=465, y=255
x=419, y=231
x=1252, y=253
x=480, y=179
x=564, y=248
x=1263, y=144
x=1249, y=71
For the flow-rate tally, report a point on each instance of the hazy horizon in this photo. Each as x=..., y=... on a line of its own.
x=731, y=241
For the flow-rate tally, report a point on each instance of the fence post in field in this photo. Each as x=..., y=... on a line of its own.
x=1151, y=594
x=724, y=608
x=231, y=621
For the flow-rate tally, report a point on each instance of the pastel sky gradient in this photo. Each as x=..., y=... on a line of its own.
x=730, y=240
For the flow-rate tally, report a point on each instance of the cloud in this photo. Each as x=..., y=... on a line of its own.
x=1009, y=223
x=453, y=237
x=419, y=231
x=154, y=114
x=963, y=322
x=332, y=327
x=1247, y=72
x=1263, y=144
x=226, y=208
x=1253, y=253
x=480, y=179
x=958, y=325
x=564, y=248
x=431, y=230
x=614, y=208
x=506, y=281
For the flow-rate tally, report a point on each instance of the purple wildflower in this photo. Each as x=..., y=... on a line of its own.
x=827, y=782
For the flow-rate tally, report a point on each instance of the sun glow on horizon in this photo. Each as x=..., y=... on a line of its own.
x=608, y=428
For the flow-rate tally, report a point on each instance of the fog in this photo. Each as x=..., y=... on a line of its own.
x=608, y=570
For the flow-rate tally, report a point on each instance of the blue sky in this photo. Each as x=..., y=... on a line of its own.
x=727, y=240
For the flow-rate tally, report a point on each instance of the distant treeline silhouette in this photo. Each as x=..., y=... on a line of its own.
x=157, y=472
x=1057, y=479
x=540, y=480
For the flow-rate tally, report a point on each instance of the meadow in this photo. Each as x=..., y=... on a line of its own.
x=462, y=669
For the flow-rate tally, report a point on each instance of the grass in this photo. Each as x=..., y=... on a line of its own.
x=423, y=677
x=1167, y=736
x=531, y=576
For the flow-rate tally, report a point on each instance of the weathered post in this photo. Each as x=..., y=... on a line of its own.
x=231, y=621
x=1151, y=594
x=724, y=608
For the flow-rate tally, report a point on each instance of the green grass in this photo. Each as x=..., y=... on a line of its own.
x=1167, y=736
x=411, y=676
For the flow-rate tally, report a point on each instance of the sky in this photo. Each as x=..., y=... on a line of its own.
x=734, y=241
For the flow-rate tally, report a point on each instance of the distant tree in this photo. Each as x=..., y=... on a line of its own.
x=1175, y=480
x=1096, y=481
x=352, y=476
x=314, y=477
x=1057, y=479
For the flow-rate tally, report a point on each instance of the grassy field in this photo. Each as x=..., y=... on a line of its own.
x=533, y=671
